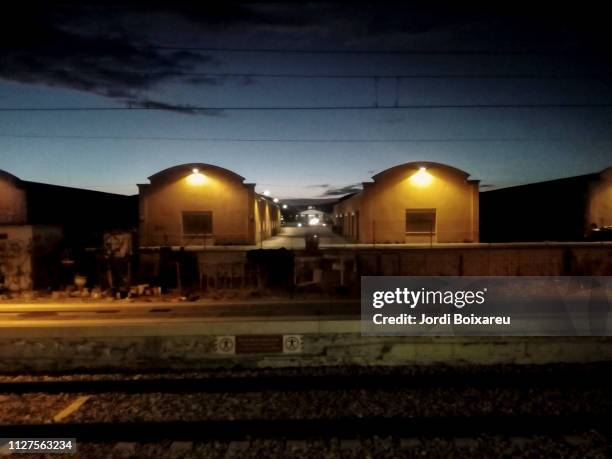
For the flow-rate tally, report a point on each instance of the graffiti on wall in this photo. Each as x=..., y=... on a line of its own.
x=15, y=263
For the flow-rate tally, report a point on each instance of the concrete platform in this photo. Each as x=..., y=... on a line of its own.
x=142, y=344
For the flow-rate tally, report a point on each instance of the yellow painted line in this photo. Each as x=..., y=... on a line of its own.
x=71, y=408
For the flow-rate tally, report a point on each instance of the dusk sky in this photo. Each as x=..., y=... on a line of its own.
x=549, y=71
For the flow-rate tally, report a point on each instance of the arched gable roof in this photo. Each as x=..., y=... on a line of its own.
x=187, y=168
x=416, y=165
x=8, y=176
x=606, y=171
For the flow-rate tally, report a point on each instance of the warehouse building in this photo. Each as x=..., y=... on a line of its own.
x=201, y=205
x=568, y=209
x=39, y=221
x=82, y=215
x=417, y=202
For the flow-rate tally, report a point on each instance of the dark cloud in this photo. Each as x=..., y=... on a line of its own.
x=396, y=25
x=110, y=49
x=122, y=51
x=186, y=109
x=323, y=185
x=42, y=49
x=340, y=191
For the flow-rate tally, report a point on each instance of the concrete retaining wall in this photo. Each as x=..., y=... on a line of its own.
x=44, y=350
x=556, y=259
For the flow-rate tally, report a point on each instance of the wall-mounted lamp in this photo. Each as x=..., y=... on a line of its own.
x=266, y=193
x=421, y=177
x=275, y=200
x=196, y=177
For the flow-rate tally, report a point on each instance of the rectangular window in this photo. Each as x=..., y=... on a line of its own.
x=197, y=223
x=421, y=221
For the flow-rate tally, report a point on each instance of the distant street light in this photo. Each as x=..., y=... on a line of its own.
x=275, y=200
x=266, y=193
x=284, y=206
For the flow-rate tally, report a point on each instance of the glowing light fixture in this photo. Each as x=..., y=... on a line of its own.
x=196, y=177
x=421, y=178
x=284, y=206
x=275, y=200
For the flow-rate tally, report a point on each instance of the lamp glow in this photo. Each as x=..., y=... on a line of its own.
x=196, y=177
x=284, y=206
x=421, y=178
x=275, y=200
x=266, y=193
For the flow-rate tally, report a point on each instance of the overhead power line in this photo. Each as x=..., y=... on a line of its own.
x=401, y=76
x=188, y=108
x=303, y=140
x=414, y=52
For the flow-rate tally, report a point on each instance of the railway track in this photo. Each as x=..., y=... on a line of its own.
x=403, y=427
x=273, y=410
x=596, y=375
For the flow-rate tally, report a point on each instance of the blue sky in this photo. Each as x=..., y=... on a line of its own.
x=115, y=150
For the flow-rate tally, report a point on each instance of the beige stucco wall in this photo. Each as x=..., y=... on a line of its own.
x=346, y=216
x=12, y=201
x=263, y=225
x=382, y=205
x=267, y=218
x=599, y=209
x=240, y=216
x=223, y=193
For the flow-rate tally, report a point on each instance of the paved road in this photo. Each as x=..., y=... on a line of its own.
x=17, y=314
x=294, y=237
